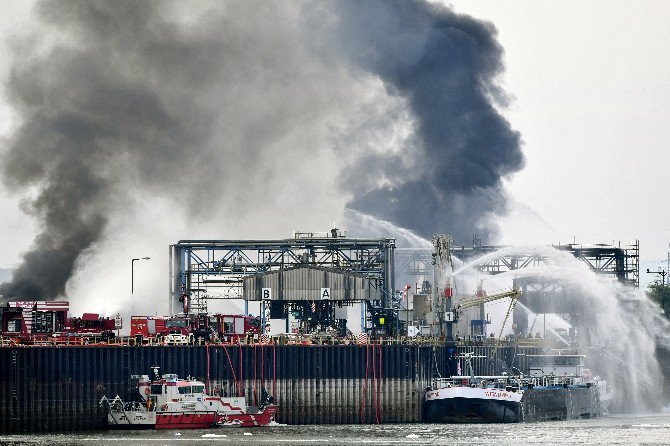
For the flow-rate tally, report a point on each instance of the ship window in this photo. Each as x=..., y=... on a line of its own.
x=14, y=326
x=156, y=389
x=198, y=389
x=185, y=390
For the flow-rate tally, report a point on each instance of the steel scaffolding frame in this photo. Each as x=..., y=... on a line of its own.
x=200, y=267
x=623, y=262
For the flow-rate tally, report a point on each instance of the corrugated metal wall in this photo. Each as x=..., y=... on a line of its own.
x=58, y=388
x=305, y=283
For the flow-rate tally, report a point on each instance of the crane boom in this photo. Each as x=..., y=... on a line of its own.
x=514, y=294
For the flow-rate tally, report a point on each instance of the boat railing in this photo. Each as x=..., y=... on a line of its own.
x=307, y=340
x=441, y=383
x=554, y=380
x=506, y=381
x=117, y=405
x=501, y=381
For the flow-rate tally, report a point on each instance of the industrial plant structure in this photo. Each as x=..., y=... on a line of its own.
x=321, y=364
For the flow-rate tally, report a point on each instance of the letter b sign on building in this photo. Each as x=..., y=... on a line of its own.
x=266, y=293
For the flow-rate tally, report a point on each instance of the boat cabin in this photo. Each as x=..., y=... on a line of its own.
x=557, y=365
x=168, y=392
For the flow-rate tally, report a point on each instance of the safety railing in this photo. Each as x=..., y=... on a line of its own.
x=254, y=339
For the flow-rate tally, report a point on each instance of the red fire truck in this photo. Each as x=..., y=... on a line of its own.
x=171, y=330
x=29, y=321
x=23, y=319
x=182, y=329
x=226, y=328
x=91, y=324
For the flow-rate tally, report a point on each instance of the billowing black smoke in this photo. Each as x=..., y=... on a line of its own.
x=446, y=66
x=170, y=98
x=93, y=111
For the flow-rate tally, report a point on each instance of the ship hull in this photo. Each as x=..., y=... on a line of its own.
x=472, y=410
x=188, y=419
x=185, y=420
x=465, y=404
x=462, y=405
x=131, y=419
x=263, y=418
x=561, y=403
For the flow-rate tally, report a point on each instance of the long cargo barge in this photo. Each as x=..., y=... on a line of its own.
x=557, y=388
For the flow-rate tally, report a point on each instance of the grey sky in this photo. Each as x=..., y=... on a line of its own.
x=590, y=82
x=592, y=87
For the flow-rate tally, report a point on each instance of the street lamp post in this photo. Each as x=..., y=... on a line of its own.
x=132, y=283
x=663, y=274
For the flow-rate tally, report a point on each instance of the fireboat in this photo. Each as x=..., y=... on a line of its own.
x=167, y=402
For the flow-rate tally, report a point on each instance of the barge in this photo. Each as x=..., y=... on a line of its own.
x=557, y=388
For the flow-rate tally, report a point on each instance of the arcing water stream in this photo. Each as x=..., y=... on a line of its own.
x=615, y=325
x=545, y=327
x=363, y=225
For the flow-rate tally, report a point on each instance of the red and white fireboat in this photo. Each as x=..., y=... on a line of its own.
x=167, y=402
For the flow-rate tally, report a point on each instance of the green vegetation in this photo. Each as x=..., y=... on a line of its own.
x=661, y=295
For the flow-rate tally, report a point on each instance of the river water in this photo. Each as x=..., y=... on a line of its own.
x=653, y=429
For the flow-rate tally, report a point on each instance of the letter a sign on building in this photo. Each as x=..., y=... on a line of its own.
x=266, y=293
x=325, y=293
